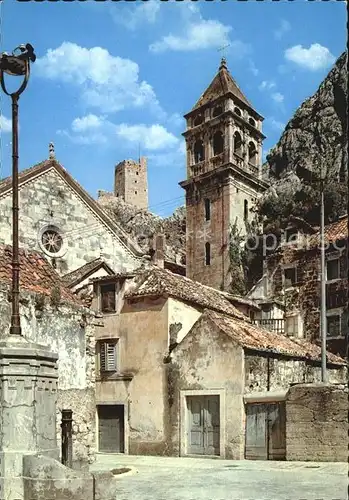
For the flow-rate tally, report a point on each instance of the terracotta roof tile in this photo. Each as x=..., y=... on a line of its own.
x=254, y=338
x=158, y=281
x=36, y=274
x=335, y=231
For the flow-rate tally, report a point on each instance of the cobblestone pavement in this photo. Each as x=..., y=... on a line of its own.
x=169, y=478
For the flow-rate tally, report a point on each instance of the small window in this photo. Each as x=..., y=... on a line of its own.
x=332, y=269
x=218, y=110
x=252, y=122
x=207, y=254
x=245, y=210
x=334, y=325
x=135, y=182
x=237, y=111
x=207, y=209
x=137, y=173
x=117, y=195
x=108, y=298
x=237, y=144
x=291, y=235
x=199, y=151
x=136, y=192
x=108, y=356
x=252, y=154
x=291, y=325
x=290, y=275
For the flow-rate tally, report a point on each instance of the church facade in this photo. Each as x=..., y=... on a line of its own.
x=224, y=176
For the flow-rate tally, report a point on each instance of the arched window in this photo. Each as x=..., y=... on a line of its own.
x=207, y=209
x=218, y=143
x=199, y=151
x=218, y=110
x=245, y=210
x=252, y=153
x=252, y=122
x=207, y=254
x=198, y=120
x=237, y=144
x=237, y=111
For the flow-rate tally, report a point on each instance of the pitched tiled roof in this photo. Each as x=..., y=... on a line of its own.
x=84, y=272
x=36, y=274
x=44, y=166
x=222, y=84
x=258, y=339
x=335, y=231
x=158, y=281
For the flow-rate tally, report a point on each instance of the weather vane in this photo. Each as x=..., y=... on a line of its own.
x=223, y=49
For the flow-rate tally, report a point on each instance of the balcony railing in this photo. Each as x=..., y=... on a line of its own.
x=272, y=325
x=214, y=162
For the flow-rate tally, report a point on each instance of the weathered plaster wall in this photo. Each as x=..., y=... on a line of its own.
x=69, y=331
x=317, y=423
x=47, y=200
x=181, y=318
x=278, y=373
x=207, y=359
x=142, y=329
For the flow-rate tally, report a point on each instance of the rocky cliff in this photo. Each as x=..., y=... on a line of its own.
x=142, y=225
x=316, y=137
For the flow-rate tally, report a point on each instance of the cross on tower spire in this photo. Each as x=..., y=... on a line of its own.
x=223, y=49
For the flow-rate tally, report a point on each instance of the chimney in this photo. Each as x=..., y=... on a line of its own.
x=158, y=251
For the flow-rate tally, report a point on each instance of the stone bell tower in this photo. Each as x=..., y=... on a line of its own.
x=224, y=161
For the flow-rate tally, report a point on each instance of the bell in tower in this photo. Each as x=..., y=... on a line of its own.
x=224, y=176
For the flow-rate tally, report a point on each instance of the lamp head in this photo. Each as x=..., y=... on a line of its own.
x=16, y=64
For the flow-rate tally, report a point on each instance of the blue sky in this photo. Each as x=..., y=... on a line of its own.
x=115, y=78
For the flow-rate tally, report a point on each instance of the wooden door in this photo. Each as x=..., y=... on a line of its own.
x=265, y=431
x=111, y=428
x=203, y=425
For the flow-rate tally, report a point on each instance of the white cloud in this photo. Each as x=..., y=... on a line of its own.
x=282, y=29
x=277, y=97
x=276, y=124
x=153, y=137
x=92, y=129
x=5, y=124
x=107, y=82
x=315, y=58
x=252, y=67
x=132, y=16
x=198, y=33
x=265, y=85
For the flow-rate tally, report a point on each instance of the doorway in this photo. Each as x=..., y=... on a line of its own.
x=203, y=425
x=265, y=431
x=111, y=428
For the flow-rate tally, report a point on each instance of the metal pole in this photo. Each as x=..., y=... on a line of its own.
x=323, y=325
x=15, y=328
x=67, y=445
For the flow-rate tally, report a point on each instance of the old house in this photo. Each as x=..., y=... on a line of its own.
x=52, y=315
x=61, y=220
x=292, y=280
x=180, y=370
x=224, y=176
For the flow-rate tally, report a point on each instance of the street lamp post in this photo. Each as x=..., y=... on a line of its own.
x=15, y=64
x=323, y=318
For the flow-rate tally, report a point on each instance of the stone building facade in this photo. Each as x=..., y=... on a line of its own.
x=52, y=316
x=167, y=340
x=131, y=182
x=224, y=154
x=60, y=219
x=293, y=274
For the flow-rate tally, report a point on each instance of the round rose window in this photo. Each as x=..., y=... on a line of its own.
x=52, y=241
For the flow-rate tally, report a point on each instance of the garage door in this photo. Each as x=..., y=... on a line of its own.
x=111, y=429
x=203, y=425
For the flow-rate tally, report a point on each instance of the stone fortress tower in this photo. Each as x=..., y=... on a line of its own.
x=224, y=176
x=131, y=182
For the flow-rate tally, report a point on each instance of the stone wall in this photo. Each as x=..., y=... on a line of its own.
x=304, y=297
x=277, y=373
x=69, y=331
x=49, y=201
x=317, y=423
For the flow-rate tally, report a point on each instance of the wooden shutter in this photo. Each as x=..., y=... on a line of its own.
x=108, y=351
